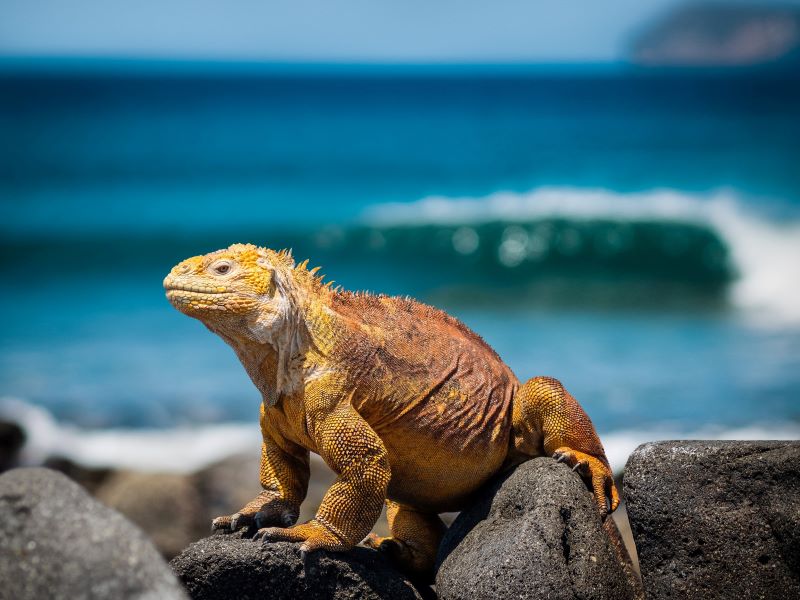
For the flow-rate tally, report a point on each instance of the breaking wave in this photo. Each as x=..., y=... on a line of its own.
x=179, y=449
x=714, y=241
x=555, y=246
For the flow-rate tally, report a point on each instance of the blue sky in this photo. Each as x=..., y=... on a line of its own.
x=326, y=30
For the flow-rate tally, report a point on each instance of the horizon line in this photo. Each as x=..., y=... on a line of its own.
x=133, y=65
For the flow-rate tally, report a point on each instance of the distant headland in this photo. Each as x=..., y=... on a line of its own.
x=721, y=36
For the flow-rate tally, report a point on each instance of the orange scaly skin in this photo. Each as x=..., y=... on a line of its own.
x=405, y=403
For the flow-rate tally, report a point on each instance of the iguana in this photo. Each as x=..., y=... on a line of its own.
x=406, y=405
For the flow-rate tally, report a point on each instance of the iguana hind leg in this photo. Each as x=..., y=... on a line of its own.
x=414, y=542
x=546, y=418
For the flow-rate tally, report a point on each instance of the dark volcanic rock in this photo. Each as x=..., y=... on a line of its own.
x=58, y=542
x=230, y=566
x=533, y=534
x=716, y=519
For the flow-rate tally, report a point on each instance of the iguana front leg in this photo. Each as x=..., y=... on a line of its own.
x=547, y=417
x=353, y=503
x=284, y=474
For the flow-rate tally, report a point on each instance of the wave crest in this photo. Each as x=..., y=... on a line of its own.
x=711, y=239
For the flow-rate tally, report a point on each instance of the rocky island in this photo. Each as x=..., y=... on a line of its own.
x=721, y=36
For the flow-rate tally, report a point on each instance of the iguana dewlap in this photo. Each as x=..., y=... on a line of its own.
x=405, y=403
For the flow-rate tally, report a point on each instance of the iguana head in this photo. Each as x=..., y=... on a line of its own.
x=236, y=291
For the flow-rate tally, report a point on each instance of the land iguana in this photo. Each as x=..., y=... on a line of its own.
x=406, y=405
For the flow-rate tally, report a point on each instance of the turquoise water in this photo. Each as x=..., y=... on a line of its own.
x=636, y=235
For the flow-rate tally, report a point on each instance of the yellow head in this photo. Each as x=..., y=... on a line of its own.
x=233, y=291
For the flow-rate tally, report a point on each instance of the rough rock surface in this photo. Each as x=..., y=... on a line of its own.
x=716, y=519
x=230, y=566
x=58, y=542
x=533, y=534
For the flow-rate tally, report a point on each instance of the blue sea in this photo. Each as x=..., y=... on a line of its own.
x=634, y=233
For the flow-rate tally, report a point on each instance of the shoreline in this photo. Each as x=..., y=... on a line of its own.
x=189, y=448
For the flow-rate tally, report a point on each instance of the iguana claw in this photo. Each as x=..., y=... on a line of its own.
x=263, y=511
x=313, y=535
x=582, y=468
x=221, y=524
x=595, y=473
x=231, y=523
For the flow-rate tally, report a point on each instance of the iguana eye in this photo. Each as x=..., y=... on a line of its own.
x=222, y=268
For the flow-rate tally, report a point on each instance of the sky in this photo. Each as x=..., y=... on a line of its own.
x=327, y=31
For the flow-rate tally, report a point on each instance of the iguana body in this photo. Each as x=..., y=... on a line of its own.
x=405, y=403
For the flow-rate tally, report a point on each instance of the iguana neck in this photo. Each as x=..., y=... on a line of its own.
x=280, y=346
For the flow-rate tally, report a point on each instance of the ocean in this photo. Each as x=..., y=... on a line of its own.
x=634, y=233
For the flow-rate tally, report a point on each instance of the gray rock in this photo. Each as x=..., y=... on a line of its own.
x=534, y=534
x=716, y=519
x=231, y=566
x=58, y=542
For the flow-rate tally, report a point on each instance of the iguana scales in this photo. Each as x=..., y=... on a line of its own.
x=407, y=405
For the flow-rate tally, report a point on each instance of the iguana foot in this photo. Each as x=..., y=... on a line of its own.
x=415, y=564
x=231, y=523
x=595, y=473
x=263, y=511
x=313, y=534
x=415, y=539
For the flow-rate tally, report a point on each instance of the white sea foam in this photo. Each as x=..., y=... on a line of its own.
x=182, y=449
x=765, y=253
x=187, y=449
x=620, y=444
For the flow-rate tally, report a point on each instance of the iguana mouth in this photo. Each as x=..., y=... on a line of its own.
x=196, y=289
